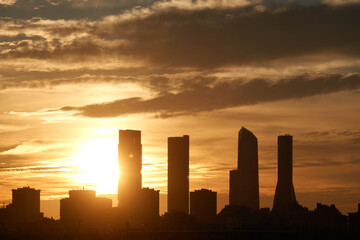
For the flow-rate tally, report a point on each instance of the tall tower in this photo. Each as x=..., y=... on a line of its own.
x=244, y=182
x=130, y=161
x=178, y=174
x=285, y=194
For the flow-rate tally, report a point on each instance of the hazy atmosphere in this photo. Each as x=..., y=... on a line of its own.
x=74, y=72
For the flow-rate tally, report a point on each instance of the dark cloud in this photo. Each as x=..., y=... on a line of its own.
x=351, y=136
x=325, y=162
x=318, y=133
x=300, y=162
x=349, y=133
x=355, y=140
x=222, y=95
x=209, y=37
x=65, y=9
x=218, y=37
x=346, y=133
x=277, y=3
x=77, y=50
x=20, y=37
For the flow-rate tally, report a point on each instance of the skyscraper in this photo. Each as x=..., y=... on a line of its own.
x=285, y=194
x=130, y=163
x=244, y=182
x=178, y=174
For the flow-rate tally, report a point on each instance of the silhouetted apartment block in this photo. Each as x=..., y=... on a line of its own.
x=203, y=205
x=25, y=206
x=130, y=164
x=233, y=217
x=178, y=174
x=85, y=209
x=244, y=182
x=149, y=205
x=285, y=193
x=174, y=220
x=354, y=222
x=328, y=221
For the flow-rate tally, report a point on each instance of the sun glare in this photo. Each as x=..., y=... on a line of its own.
x=98, y=167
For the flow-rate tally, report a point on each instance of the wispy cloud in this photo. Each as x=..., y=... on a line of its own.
x=7, y=148
x=37, y=169
x=34, y=146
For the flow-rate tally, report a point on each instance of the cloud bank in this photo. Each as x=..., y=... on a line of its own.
x=221, y=95
x=203, y=38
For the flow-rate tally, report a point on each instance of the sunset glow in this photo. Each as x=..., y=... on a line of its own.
x=73, y=73
x=98, y=166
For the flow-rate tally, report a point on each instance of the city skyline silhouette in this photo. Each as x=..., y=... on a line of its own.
x=65, y=91
x=130, y=161
x=131, y=157
x=75, y=74
x=138, y=207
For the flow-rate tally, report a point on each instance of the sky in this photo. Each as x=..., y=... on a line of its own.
x=74, y=72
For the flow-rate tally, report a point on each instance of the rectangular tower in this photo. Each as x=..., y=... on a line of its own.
x=178, y=174
x=130, y=164
x=244, y=182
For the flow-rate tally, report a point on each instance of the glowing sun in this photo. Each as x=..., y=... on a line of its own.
x=97, y=165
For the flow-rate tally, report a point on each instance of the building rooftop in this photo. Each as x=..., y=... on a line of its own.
x=244, y=133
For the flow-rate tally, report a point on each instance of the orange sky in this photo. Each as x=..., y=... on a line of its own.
x=69, y=80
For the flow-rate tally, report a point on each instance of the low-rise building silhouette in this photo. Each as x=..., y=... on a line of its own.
x=203, y=205
x=235, y=217
x=84, y=209
x=174, y=220
x=149, y=210
x=328, y=221
x=354, y=222
x=25, y=206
